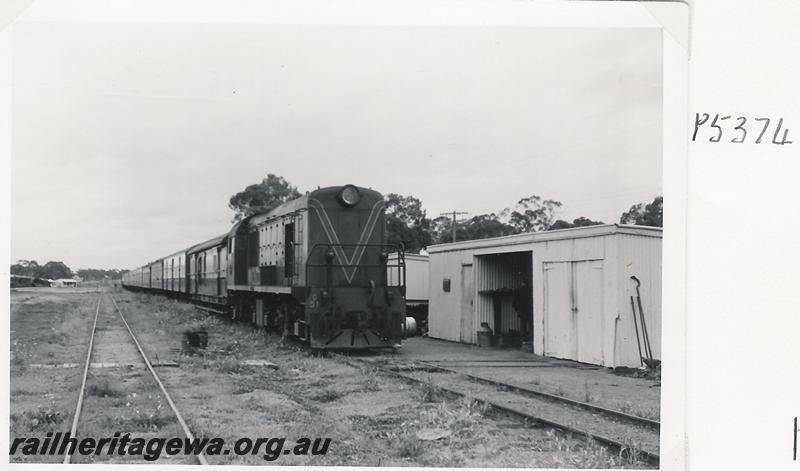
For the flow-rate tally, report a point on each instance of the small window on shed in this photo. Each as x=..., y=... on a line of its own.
x=446, y=285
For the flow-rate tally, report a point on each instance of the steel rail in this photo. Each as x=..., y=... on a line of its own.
x=534, y=392
x=647, y=456
x=76, y=417
x=189, y=435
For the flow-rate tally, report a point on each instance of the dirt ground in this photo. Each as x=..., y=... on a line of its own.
x=373, y=420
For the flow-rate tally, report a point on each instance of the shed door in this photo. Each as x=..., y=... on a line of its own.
x=588, y=286
x=558, y=325
x=467, y=304
x=573, y=320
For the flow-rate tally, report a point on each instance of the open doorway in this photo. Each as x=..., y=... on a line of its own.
x=505, y=296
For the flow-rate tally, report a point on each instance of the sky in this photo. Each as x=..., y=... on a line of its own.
x=130, y=138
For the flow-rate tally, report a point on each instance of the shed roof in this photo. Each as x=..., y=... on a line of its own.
x=560, y=234
x=410, y=256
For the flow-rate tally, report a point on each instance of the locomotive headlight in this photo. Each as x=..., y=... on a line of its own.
x=349, y=196
x=384, y=256
x=389, y=294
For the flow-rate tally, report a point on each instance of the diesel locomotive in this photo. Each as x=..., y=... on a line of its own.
x=316, y=267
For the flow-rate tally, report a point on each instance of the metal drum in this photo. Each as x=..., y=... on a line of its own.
x=410, y=327
x=485, y=335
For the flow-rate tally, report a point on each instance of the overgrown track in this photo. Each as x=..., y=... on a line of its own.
x=635, y=419
x=92, y=351
x=631, y=436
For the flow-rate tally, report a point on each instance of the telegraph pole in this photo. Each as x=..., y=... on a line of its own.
x=454, y=214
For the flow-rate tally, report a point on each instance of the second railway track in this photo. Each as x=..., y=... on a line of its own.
x=626, y=434
x=121, y=392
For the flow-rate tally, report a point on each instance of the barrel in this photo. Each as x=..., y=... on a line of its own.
x=197, y=339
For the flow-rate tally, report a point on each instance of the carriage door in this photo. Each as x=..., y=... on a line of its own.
x=198, y=272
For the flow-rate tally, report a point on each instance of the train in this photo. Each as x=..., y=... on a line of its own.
x=317, y=268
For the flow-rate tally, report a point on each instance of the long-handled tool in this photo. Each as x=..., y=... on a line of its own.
x=646, y=337
x=636, y=326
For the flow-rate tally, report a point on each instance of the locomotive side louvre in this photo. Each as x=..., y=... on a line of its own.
x=257, y=250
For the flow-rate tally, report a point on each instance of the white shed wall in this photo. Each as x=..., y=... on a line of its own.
x=641, y=257
x=589, y=276
x=449, y=310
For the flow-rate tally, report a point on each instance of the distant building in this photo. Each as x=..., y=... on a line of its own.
x=65, y=283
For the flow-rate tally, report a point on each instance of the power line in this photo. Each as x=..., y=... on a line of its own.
x=454, y=214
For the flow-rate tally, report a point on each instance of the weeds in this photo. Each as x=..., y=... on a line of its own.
x=104, y=389
x=641, y=411
x=429, y=391
x=408, y=446
x=371, y=380
x=41, y=419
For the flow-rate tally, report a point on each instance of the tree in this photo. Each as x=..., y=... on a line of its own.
x=50, y=270
x=532, y=214
x=484, y=226
x=645, y=214
x=25, y=268
x=406, y=222
x=441, y=229
x=262, y=197
x=54, y=270
x=579, y=222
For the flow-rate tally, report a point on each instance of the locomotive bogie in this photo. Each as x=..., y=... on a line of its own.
x=355, y=318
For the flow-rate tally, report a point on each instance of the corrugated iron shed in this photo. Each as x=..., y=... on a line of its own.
x=580, y=285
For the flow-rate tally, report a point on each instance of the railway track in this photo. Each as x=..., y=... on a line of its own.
x=112, y=341
x=629, y=435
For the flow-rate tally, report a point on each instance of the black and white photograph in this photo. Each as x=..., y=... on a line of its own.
x=266, y=235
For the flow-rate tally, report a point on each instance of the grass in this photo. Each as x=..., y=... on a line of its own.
x=408, y=446
x=428, y=391
x=372, y=379
x=569, y=452
x=648, y=412
x=104, y=389
x=41, y=419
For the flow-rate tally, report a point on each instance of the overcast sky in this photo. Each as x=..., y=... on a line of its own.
x=129, y=139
